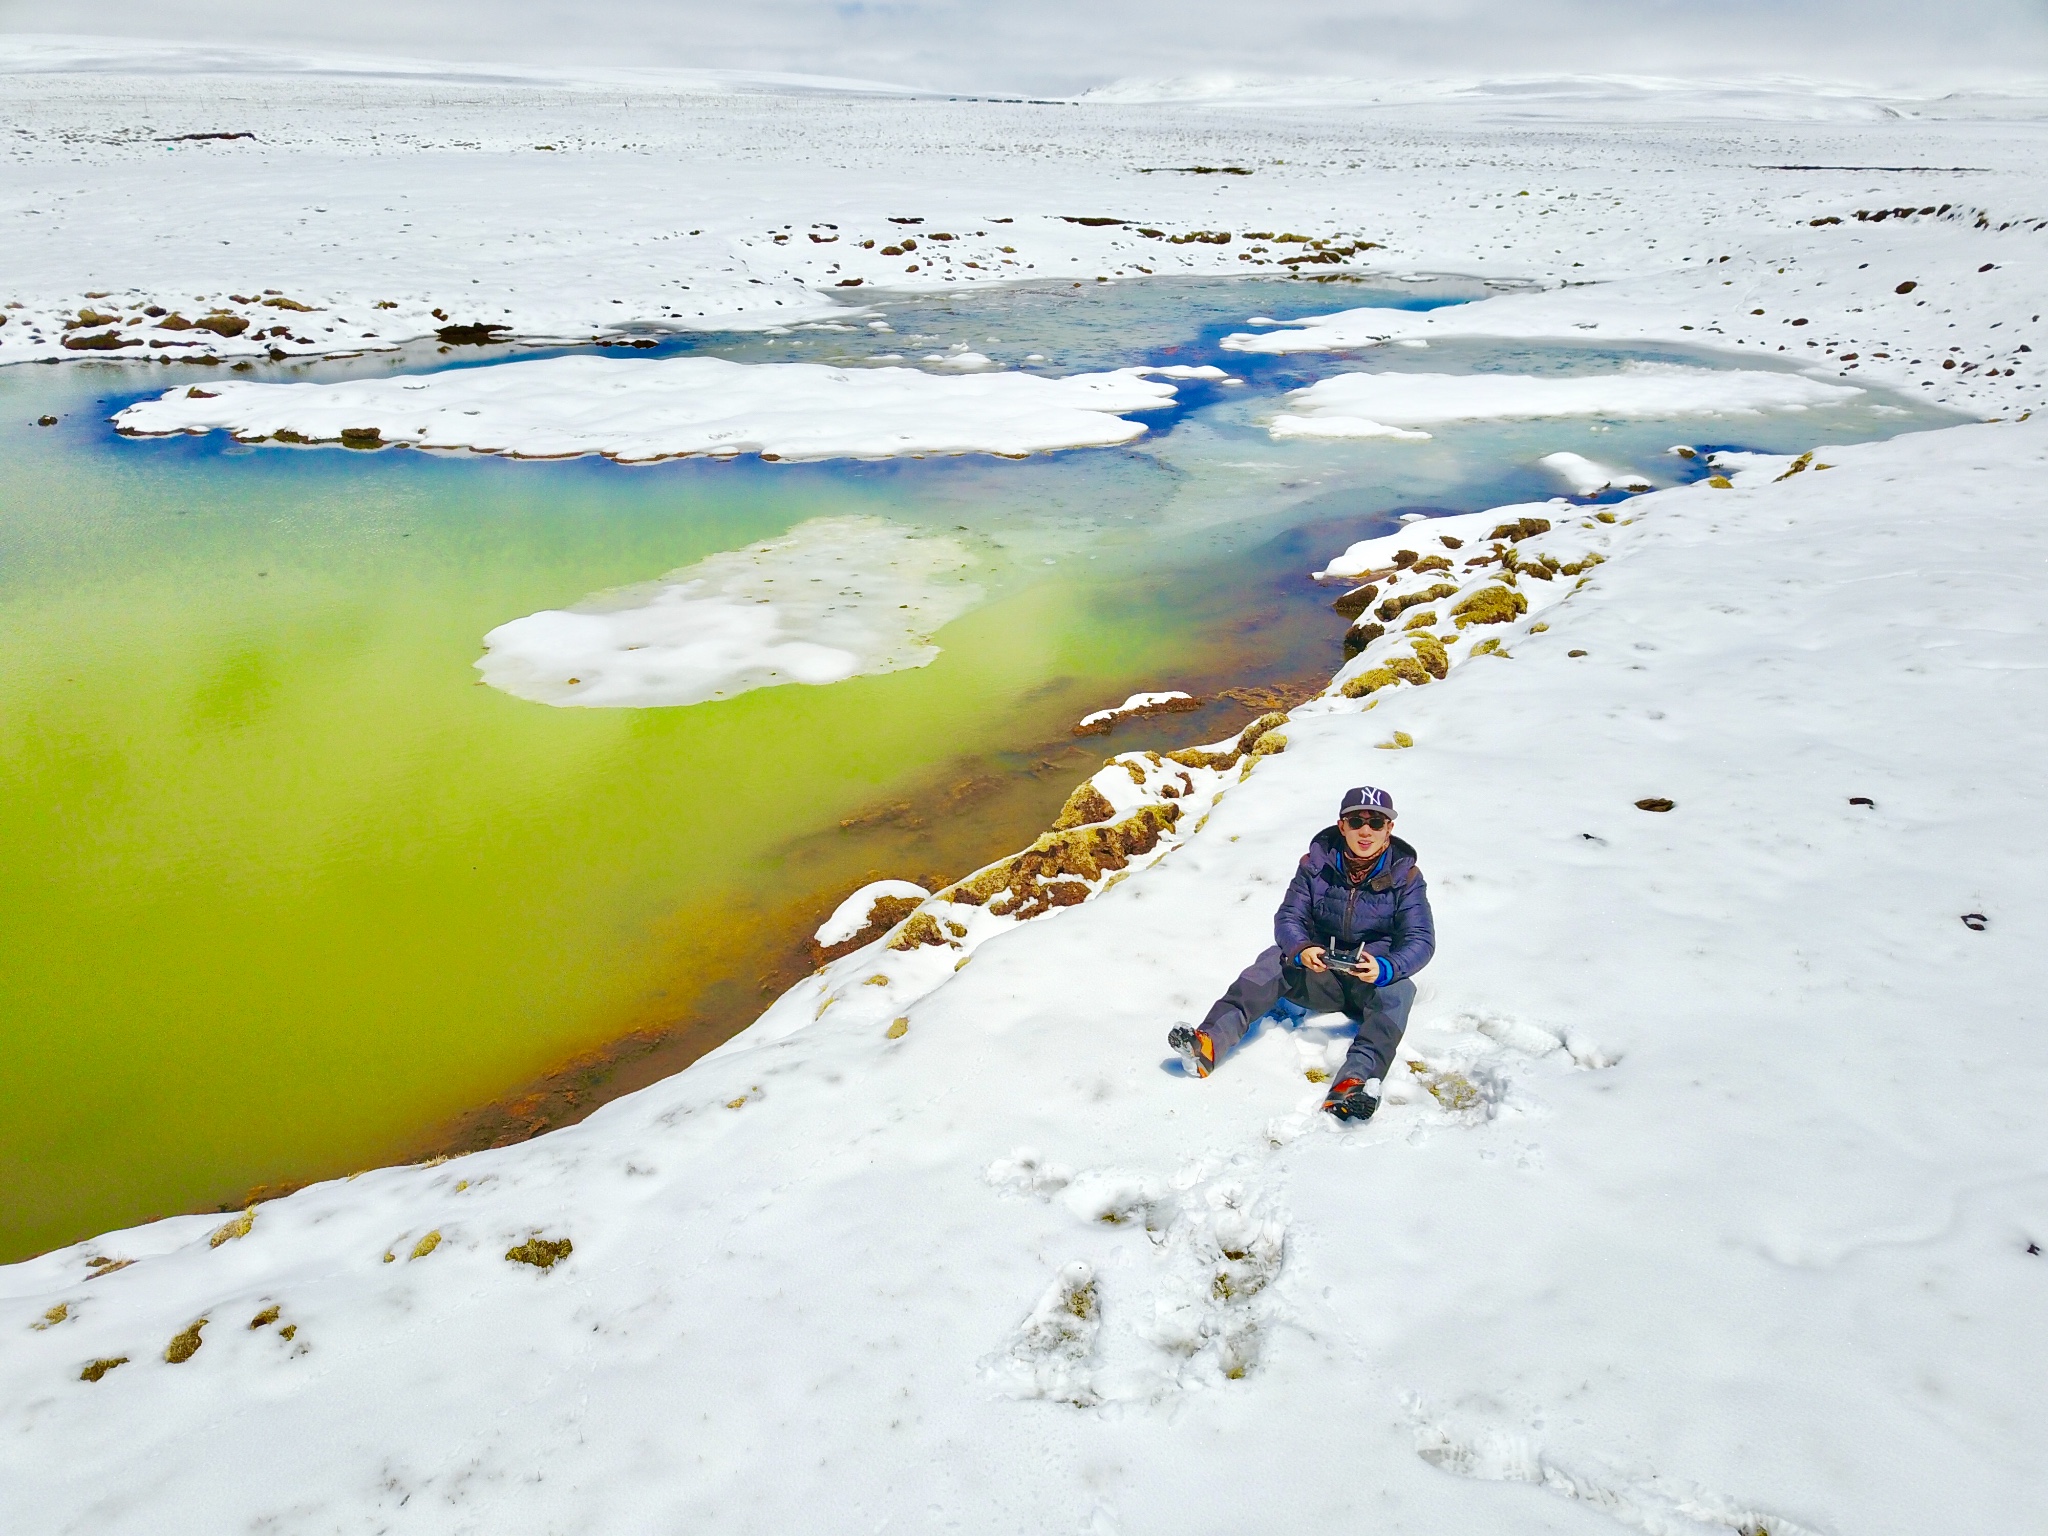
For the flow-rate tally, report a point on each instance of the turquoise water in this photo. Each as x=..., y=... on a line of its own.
x=290, y=892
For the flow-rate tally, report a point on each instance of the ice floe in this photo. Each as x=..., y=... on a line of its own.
x=654, y=408
x=1588, y=478
x=833, y=598
x=1398, y=404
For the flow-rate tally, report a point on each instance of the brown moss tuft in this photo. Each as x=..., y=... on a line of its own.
x=1359, y=636
x=922, y=928
x=263, y=1319
x=1195, y=757
x=427, y=1244
x=1586, y=563
x=1356, y=601
x=1799, y=465
x=1055, y=871
x=239, y=1227
x=1490, y=605
x=1721, y=482
x=1490, y=647
x=1396, y=742
x=1429, y=650
x=185, y=1345
x=898, y=1029
x=1084, y=807
x=1268, y=744
x=1249, y=736
x=53, y=1316
x=1369, y=682
x=1430, y=563
x=99, y=1368
x=1394, y=607
x=541, y=1252
x=1422, y=620
x=1527, y=528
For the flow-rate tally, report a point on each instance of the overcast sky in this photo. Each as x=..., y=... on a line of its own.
x=1069, y=45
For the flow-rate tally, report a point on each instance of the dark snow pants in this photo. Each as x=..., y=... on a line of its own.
x=1382, y=1012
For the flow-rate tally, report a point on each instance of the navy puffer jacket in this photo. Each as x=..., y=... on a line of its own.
x=1389, y=912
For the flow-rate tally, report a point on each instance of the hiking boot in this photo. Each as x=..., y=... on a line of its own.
x=1353, y=1098
x=1197, y=1052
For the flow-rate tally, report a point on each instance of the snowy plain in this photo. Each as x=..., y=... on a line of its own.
x=1714, y=1192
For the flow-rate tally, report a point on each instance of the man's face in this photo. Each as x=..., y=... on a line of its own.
x=1363, y=839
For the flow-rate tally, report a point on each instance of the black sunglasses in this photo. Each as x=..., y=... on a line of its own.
x=1374, y=819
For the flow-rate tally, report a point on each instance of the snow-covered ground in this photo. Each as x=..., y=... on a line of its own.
x=1712, y=1195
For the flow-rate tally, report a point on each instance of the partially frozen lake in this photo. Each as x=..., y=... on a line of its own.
x=295, y=887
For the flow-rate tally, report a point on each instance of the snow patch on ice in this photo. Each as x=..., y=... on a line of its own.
x=1375, y=404
x=834, y=598
x=637, y=409
x=1586, y=477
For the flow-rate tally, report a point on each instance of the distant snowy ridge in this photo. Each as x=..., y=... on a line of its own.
x=641, y=409
x=1591, y=96
x=30, y=53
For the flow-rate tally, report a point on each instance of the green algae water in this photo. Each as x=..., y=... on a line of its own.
x=287, y=889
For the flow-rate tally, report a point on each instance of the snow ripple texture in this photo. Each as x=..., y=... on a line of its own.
x=834, y=598
x=638, y=409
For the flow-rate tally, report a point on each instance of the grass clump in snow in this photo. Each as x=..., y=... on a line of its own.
x=1393, y=743
x=229, y=1231
x=1270, y=743
x=1394, y=607
x=1429, y=650
x=1489, y=647
x=1360, y=635
x=922, y=928
x=1249, y=737
x=184, y=1346
x=1526, y=528
x=541, y=1252
x=1490, y=605
x=1195, y=757
x=1422, y=620
x=1370, y=681
x=898, y=1029
x=427, y=1244
x=99, y=1368
x=1052, y=871
x=263, y=1319
x=1356, y=601
x=53, y=1317
x=1085, y=806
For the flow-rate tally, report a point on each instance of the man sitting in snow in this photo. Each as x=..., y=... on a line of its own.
x=1353, y=927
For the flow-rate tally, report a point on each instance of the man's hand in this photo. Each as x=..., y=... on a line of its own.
x=1312, y=959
